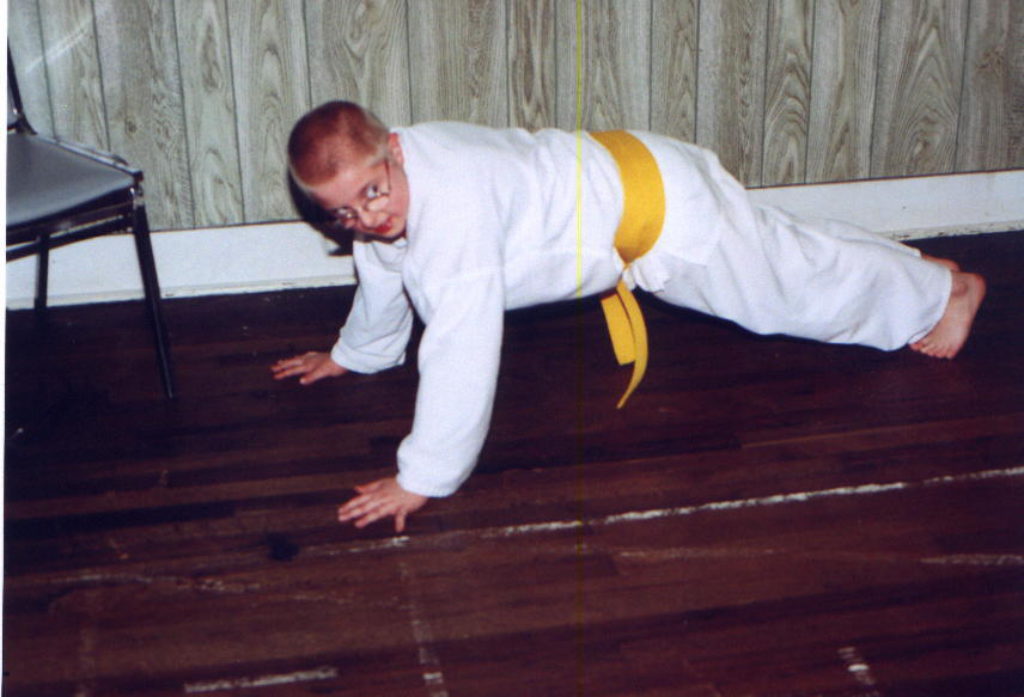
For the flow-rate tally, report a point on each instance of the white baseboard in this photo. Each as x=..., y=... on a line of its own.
x=277, y=256
x=913, y=208
x=212, y=261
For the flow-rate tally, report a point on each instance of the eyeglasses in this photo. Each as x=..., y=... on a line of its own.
x=346, y=215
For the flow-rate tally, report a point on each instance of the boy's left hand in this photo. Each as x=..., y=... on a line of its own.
x=380, y=499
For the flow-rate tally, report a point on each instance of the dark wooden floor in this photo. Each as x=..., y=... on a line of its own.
x=768, y=517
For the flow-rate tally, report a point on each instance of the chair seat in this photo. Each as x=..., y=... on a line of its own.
x=44, y=179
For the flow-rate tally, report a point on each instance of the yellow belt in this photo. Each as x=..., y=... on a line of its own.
x=642, y=217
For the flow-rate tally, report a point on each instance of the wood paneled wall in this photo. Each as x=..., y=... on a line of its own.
x=202, y=93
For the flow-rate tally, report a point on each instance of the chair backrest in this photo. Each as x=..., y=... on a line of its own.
x=15, y=114
x=12, y=112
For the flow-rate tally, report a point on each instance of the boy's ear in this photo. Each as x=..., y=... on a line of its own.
x=395, y=147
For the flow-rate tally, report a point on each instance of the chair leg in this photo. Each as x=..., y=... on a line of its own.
x=42, y=275
x=151, y=286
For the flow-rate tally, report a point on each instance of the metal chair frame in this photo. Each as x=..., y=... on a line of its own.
x=120, y=211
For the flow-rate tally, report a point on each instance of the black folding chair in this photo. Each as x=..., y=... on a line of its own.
x=59, y=193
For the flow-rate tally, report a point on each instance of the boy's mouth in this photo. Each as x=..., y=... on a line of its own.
x=385, y=230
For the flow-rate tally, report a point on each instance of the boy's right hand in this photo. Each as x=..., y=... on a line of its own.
x=310, y=367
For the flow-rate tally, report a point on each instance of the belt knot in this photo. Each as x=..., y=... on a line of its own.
x=643, y=214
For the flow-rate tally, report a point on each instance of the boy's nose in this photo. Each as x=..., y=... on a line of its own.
x=370, y=219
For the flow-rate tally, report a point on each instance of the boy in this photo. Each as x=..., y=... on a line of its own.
x=463, y=222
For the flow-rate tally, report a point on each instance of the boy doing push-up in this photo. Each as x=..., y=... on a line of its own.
x=460, y=223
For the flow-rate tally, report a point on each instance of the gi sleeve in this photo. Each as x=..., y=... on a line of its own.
x=379, y=324
x=458, y=361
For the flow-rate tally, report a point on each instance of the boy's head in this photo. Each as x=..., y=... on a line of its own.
x=332, y=136
x=345, y=159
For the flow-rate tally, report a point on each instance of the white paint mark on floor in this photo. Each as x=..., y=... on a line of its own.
x=754, y=502
x=380, y=545
x=401, y=542
x=430, y=664
x=386, y=544
x=665, y=554
x=299, y=676
x=531, y=528
x=860, y=670
x=976, y=560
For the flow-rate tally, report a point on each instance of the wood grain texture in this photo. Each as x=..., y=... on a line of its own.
x=767, y=517
x=458, y=61
x=25, y=41
x=991, y=134
x=730, y=100
x=616, y=65
x=846, y=34
x=1015, y=116
x=268, y=53
x=359, y=51
x=73, y=66
x=674, y=76
x=145, y=113
x=920, y=68
x=787, y=107
x=896, y=88
x=209, y=102
x=533, y=71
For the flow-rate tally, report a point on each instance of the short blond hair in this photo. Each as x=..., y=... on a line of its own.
x=332, y=136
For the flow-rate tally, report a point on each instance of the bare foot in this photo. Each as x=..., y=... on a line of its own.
x=948, y=263
x=948, y=336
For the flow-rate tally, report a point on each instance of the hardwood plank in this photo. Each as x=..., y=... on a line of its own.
x=674, y=77
x=843, y=89
x=271, y=74
x=145, y=117
x=730, y=98
x=209, y=109
x=787, y=91
x=925, y=86
x=359, y=51
x=767, y=517
x=25, y=41
x=920, y=79
x=72, y=63
x=464, y=43
x=991, y=134
x=532, y=67
x=457, y=606
x=616, y=65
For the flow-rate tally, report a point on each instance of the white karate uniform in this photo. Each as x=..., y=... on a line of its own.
x=492, y=226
